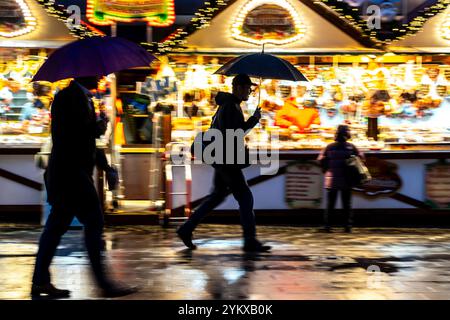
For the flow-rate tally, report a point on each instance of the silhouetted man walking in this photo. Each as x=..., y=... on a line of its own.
x=70, y=187
x=228, y=177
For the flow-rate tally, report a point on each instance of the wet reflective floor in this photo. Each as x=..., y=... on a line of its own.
x=304, y=263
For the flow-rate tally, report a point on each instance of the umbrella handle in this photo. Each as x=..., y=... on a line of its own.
x=259, y=91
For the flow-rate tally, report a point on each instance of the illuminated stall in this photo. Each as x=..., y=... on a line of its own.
x=28, y=34
x=390, y=85
x=139, y=134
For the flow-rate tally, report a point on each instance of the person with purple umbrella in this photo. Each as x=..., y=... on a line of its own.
x=75, y=127
x=70, y=187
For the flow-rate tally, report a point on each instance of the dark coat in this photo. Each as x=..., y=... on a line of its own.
x=74, y=129
x=333, y=161
x=229, y=115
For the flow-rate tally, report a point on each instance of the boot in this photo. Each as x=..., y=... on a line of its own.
x=49, y=291
x=186, y=237
x=254, y=245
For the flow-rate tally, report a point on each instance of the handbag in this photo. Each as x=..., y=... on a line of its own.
x=357, y=172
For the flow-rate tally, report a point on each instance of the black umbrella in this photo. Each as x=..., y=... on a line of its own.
x=262, y=66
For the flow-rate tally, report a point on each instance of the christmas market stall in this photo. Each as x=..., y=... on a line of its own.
x=387, y=79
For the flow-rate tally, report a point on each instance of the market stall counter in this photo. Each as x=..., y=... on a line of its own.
x=407, y=180
x=21, y=178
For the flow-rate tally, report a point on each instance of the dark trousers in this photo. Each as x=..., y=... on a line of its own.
x=227, y=180
x=89, y=213
x=346, y=198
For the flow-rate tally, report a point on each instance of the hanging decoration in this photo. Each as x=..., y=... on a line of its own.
x=268, y=21
x=201, y=20
x=157, y=13
x=16, y=18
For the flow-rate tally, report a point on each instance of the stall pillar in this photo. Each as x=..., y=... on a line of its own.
x=372, y=128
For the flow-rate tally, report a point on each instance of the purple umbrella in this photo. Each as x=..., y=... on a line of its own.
x=96, y=56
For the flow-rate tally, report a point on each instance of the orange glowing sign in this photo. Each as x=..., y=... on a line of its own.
x=158, y=13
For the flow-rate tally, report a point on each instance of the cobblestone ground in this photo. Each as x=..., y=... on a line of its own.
x=304, y=264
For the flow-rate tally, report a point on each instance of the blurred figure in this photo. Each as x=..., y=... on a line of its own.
x=333, y=161
x=70, y=187
x=6, y=98
x=190, y=109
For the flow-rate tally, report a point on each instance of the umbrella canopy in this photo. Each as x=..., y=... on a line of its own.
x=96, y=56
x=263, y=66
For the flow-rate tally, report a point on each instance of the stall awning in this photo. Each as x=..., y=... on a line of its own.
x=319, y=35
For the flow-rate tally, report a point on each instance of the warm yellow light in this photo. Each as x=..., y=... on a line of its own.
x=30, y=21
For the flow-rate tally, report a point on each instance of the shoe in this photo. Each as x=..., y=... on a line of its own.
x=49, y=290
x=255, y=246
x=348, y=229
x=116, y=290
x=186, y=237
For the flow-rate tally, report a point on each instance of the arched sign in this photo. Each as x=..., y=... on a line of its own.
x=15, y=18
x=265, y=21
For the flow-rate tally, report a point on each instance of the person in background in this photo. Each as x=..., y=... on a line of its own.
x=190, y=109
x=6, y=98
x=333, y=161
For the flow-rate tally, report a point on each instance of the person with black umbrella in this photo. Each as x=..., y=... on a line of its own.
x=228, y=177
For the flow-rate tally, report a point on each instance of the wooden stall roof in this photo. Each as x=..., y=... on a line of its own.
x=321, y=37
x=429, y=40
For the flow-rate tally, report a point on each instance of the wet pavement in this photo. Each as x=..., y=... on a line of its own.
x=304, y=264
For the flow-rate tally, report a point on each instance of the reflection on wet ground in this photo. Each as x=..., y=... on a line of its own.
x=304, y=264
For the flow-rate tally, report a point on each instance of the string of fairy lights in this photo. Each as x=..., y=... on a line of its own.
x=201, y=20
x=60, y=12
x=349, y=15
x=352, y=16
x=445, y=26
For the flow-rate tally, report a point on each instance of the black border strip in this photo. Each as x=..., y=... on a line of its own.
x=21, y=180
